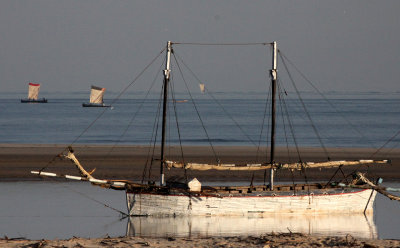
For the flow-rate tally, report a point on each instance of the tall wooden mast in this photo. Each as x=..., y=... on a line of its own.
x=165, y=107
x=273, y=108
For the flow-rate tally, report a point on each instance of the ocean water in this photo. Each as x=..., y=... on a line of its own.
x=235, y=118
x=50, y=210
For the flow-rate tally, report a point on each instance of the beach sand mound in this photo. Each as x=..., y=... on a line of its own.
x=265, y=241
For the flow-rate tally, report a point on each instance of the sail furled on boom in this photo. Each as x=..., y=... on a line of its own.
x=252, y=167
x=33, y=92
x=96, y=94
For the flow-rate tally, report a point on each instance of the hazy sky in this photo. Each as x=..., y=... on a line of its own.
x=69, y=45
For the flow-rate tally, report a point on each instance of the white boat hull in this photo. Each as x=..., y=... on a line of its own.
x=180, y=204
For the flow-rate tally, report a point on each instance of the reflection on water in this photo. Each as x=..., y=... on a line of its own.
x=49, y=210
x=359, y=226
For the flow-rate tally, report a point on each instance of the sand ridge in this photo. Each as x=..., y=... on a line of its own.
x=128, y=162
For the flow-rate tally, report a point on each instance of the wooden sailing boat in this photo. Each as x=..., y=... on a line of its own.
x=33, y=94
x=191, y=198
x=96, y=97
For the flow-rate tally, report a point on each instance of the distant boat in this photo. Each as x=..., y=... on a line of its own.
x=33, y=94
x=202, y=88
x=96, y=97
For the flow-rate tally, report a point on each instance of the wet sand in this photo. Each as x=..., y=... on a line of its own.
x=128, y=162
x=266, y=241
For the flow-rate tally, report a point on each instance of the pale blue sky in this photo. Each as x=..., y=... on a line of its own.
x=340, y=45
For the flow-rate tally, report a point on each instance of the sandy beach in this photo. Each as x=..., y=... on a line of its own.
x=128, y=162
x=264, y=241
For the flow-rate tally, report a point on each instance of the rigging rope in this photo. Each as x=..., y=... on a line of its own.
x=283, y=120
x=325, y=98
x=283, y=57
x=222, y=44
x=219, y=104
x=386, y=153
x=291, y=128
x=282, y=100
x=387, y=142
x=88, y=197
x=102, y=113
x=137, y=111
x=267, y=103
x=97, y=201
x=267, y=106
x=197, y=111
x=305, y=109
x=154, y=135
x=178, y=129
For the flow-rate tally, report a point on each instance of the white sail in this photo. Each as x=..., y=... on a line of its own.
x=96, y=94
x=202, y=88
x=33, y=91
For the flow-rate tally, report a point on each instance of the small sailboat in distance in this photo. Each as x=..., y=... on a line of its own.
x=96, y=97
x=202, y=88
x=33, y=94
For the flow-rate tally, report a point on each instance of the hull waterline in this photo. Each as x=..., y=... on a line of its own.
x=98, y=105
x=43, y=100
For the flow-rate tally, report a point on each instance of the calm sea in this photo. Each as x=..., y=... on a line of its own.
x=345, y=120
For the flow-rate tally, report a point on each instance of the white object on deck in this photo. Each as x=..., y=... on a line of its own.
x=194, y=185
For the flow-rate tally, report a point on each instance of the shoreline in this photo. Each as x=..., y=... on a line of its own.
x=267, y=240
x=128, y=161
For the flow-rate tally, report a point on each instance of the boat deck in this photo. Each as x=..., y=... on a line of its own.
x=243, y=191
